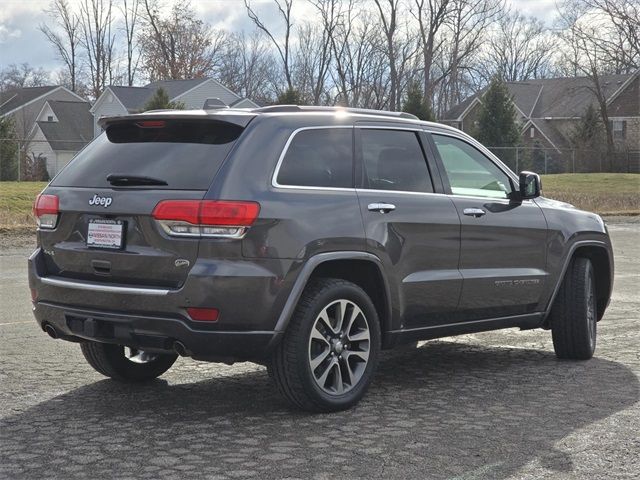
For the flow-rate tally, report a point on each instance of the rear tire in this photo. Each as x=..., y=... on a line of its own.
x=110, y=360
x=574, y=316
x=329, y=353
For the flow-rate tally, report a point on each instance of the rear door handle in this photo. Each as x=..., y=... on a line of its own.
x=474, y=212
x=381, y=207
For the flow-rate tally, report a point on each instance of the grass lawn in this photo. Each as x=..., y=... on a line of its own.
x=604, y=193
x=16, y=201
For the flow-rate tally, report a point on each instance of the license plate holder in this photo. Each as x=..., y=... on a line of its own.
x=105, y=233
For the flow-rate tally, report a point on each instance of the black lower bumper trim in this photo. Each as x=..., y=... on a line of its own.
x=153, y=333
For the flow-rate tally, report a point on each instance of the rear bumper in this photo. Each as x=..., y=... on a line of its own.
x=156, y=318
x=153, y=333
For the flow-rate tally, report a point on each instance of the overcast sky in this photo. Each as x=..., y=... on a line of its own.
x=21, y=41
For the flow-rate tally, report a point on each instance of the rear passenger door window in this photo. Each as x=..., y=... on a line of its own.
x=394, y=160
x=319, y=157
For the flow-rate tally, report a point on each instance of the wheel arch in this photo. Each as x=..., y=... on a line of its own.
x=599, y=254
x=362, y=268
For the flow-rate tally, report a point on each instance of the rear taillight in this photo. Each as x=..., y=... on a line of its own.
x=46, y=209
x=206, y=218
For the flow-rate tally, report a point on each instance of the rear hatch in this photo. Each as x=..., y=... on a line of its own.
x=105, y=230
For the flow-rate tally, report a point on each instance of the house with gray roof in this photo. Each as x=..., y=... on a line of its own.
x=119, y=100
x=548, y=110
x=60, y=130
x=24, y=104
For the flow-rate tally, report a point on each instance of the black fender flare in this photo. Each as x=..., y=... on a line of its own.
x=308, y=269
x=565, y=266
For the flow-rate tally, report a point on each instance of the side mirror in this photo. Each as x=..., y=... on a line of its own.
x=530, y=185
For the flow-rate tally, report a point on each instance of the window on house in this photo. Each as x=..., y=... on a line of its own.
x=532, y=133
x=619, y=128
x=50, y=118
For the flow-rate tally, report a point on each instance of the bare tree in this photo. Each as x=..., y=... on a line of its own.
x=179, y=46
x=619, y=35
x=67, y=43
x=592, y=57
x=130, y=11
x=518, y=49
x=431, y=16
x=21, y=76
x=312, y=62
x=246, y=66
x=98, y=41
x=466, y=27
x=283, y=46
x=389, y=22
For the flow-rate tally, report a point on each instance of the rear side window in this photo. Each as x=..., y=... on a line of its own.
x=393, y=160
x=319, y=158
x=184, y=154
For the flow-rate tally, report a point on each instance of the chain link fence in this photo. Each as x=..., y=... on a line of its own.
x=26, y=160
x=551, y=160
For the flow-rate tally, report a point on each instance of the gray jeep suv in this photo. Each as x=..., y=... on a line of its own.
x=306, y=239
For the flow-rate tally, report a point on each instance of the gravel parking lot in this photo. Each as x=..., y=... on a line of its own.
x=493, y=405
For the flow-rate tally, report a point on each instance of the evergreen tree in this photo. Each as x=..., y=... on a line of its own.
x=160, y=101
x=497, y=117
x=8, y=150
x=291, y=96
x=416, y=104
x=589, y=138
x=589, y=131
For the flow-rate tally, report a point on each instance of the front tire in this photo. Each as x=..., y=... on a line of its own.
x=330, y=351
x=574, y=315
x=135, y=366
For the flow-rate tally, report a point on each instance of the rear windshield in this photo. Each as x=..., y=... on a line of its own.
x=185, y=154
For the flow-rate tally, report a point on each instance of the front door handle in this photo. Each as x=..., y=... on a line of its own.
x=474, y=212
x=381, y=207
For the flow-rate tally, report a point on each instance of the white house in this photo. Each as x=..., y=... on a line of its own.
x=61, y=129
x=116, y=100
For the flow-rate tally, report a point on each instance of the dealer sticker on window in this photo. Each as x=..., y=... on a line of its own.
x=103, y=233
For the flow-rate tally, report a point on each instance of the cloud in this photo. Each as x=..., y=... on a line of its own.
x=7, y=33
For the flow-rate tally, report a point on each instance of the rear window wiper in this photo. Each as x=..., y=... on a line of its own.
x=122, y=180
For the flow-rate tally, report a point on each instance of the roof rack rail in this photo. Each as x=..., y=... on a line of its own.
x=304, y=108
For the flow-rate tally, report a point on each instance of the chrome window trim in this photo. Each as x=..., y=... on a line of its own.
x=405, y=192
x=274, y=177
x=411, y=128
x=95, y=287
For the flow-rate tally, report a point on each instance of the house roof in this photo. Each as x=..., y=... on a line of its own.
x=550, y=132
x=457, y=110
x=176, y=87
x=551, y=97
x=570, y=97
x=15, y=98
x=74, y=127
x=135, y=98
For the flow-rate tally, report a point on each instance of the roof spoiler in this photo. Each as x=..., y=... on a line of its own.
x=236, y=117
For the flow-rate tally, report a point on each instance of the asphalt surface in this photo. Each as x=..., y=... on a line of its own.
x=493, y=405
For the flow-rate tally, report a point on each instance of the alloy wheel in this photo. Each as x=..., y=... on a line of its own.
x=339, y=346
